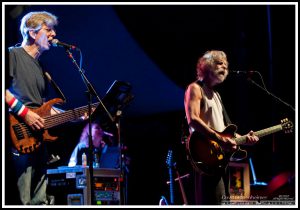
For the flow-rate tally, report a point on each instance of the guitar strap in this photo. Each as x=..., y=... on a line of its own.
x=55, y=86
x=227, y=120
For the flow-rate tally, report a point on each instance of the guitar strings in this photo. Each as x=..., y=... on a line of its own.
x=66, y=116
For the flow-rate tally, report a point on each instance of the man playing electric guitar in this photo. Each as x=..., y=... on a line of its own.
x=205, y=114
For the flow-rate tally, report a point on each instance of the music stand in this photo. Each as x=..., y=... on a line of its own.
x=117, y=97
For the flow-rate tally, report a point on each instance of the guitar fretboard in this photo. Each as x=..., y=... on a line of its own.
x=67, y=116
x=243, y=139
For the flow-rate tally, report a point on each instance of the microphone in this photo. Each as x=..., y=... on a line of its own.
x=242, y=72
x=57, y=43
x=248, y=74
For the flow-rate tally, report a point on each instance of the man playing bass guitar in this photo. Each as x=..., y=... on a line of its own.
x=25, y=96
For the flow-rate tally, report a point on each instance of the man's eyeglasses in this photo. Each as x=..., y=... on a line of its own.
x=49, y=30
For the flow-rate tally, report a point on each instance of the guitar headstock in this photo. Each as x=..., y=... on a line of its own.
x=169, y=159
x=287, y=125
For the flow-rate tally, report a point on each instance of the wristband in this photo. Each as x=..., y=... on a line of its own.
x=17, y=107
x=23, y=111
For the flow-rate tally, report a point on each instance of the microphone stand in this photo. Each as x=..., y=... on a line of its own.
x=264, y=89
x=90, y=92
x=278, y=99
x=123, y=167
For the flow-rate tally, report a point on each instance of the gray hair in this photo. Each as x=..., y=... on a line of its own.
x=35, y=20
x=208, y=60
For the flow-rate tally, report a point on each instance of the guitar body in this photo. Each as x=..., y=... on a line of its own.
x=26, y=140
x=206, y=155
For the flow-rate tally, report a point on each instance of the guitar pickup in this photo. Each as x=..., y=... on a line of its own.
x=18, y=131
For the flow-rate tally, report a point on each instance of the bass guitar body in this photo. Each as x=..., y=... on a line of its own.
x=26, y=140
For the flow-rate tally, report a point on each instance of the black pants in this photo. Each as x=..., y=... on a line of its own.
x=211, y=190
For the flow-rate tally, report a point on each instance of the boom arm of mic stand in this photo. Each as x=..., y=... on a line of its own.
x=253, y=82
x=89, y=85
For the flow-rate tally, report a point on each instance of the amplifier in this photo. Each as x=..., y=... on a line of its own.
x=106, y=187
x=71, y=185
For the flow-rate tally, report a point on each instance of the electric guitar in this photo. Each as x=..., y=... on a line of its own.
x=26, y=140
x=170, y=165
x=169, y=161
x=207, y=156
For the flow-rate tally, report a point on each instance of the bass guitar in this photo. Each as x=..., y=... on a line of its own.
x=207, y=156
x=26, y=140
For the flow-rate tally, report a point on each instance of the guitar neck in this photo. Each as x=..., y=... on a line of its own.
x=171, y=186
x=67, y=116
x=243, y=139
